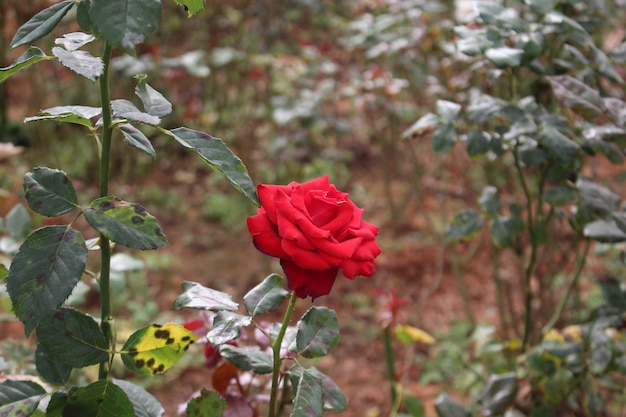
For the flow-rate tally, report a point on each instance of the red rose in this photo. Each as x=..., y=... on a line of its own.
x=315, y=230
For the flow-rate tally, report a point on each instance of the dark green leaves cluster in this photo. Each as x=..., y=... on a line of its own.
x=314, y=336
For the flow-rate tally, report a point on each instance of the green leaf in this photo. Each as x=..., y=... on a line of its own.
x=31, y=56
x=18, y=222
x=505, y=230
x=423, y=126
x=609, y=133
x=444, y=139
x=124, y=109
x=57, y=403
x=100, y=399
x=308, y=400
x=598, y=197
x=605, y=231
x=601, y=353
x=578, y=96
x=227, y=326
x=144, y=403
x=207, y=404
x=611, y=151
x=200, y=297
x=464, y=225
x=136, y=138
x=560, y=195
x=41, y=24
x=540, y=6
x=331, y=393
x=477, y=143
x=49, y=192
x=248, y=359
x=12, y=391
x=83, y=18
x=267, y=296
x=489, y=200
x=51, y=369
x=448, y=111
x=505, y=57
x=128, y=224
x=613, y=294
x=192, y=6
x=559, y=147
x=44, y=272
x=318, y=332
x=219, y=156
x=125, y=23
x=81, y=115
x=447, y=407
x=498, y=394
x=156, y=348
x=414, y=406
x=484, y=108
x=73, y=337
x=153, y=102
x=81, y=62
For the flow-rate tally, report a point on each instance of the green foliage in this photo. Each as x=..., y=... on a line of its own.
x=547, y=104
x=51, y=260
x=316, y=333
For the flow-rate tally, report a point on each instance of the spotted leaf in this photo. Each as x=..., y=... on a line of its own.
x=102, y=398
x=44, y=272
x=154, y=349
x=49, y=192
x=318, y=332
x=73, y=337
x=128, y=224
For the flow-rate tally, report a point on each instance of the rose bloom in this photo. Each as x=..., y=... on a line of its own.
x=315, y=230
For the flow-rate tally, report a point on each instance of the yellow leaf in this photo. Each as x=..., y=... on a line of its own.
x=409, y=334
x=154, y=349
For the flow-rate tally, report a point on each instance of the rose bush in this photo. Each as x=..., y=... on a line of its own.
x=315, y=230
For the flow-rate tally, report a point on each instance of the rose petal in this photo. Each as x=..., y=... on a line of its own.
x=264, y=235
x=267, y=195
x=351, y=268
x=321, y=183
x=339, y=221
x=290, y=231
x=343, y=249
x=368, y=251
x=304, y=258
x=305, y=282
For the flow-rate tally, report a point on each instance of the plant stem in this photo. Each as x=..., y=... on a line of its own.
x=561, y=307
x=389, y=361
x=276, y=352
x=105, y=246
x=528, y=295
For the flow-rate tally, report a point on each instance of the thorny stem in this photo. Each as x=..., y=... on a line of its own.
x=105, y=246
x=579, y=267
x=276, y=353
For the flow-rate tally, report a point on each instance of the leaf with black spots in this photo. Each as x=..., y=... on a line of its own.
x=44, y=272
x=74, y=338
x=128, y=224
x=154, y=349
x=49, y=192
x=318, y=332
